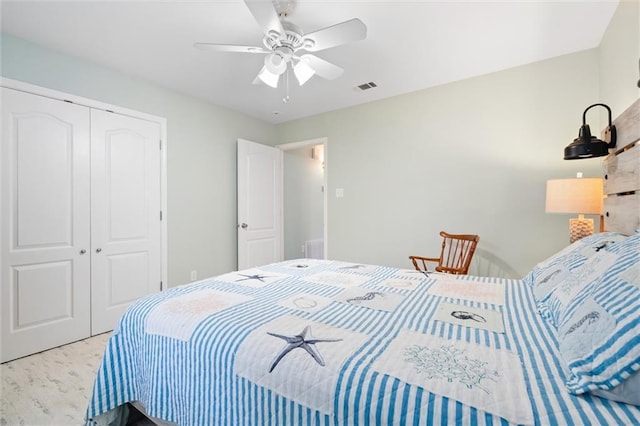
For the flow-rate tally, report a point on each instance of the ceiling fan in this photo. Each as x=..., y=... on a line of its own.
x=285, y=44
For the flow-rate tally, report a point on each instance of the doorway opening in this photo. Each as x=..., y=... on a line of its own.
x=305, y=199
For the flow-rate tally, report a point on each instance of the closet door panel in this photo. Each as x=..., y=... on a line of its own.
x=125, y=209
x=44, y=221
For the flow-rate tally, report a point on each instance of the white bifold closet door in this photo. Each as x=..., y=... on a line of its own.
x=125, y=215
x=45, y=289
x=79, y=220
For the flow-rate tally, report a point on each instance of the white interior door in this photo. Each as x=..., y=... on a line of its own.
x=44, y=219
x=125, y=214
x=259, y=204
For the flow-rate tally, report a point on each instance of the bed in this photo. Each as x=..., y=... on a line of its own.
x=314, y=342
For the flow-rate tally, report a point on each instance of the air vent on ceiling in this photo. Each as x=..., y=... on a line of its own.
x=367, y=86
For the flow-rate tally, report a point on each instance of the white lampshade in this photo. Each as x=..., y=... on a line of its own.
x=269, y=78
x=275, y=63
x=303, y=71
x=579, y=195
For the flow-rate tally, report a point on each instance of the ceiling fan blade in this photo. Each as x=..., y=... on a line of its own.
x=265, y=14
x=230, y=48
x=257, y=79
x=322, y=68
x=335, y=35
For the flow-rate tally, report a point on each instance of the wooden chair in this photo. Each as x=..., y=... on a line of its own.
x=455, y=257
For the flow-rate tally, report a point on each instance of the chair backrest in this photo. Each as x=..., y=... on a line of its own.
x=457, y=252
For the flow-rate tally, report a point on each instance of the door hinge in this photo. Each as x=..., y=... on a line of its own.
x=160, y=285
x=160, y=214
x=160, y=144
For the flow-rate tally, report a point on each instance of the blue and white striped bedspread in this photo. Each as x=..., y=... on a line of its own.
x=311, y=342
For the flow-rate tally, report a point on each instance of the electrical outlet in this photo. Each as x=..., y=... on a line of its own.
x=194, y=275
x=302, y=248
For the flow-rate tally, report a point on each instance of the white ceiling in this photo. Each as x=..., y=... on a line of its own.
x=410, y=45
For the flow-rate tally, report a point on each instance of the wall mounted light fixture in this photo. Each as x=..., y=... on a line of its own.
x=587, y=146
x=317, y=152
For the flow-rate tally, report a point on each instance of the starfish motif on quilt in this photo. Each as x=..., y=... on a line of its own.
x=258, y=277
x=304, y=341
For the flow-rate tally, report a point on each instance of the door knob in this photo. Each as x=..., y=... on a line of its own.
x=83, y=251
x=244, y=225
x=98, y=250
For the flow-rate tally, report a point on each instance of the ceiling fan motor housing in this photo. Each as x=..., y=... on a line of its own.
x=284, y=48
x=293, y=38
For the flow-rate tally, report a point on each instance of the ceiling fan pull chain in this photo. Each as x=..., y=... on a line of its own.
x=286, y=85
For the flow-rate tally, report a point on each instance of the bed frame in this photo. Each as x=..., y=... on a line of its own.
x=621, y=174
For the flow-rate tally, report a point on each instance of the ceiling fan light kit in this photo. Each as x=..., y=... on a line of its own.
x=267, y=77
x=303, y=71
x=275, y=63
x=283, y=40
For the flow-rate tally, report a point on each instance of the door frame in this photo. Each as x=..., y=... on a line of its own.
x=91, y=103
x=308, y=143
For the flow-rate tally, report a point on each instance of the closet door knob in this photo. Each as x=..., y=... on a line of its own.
x=83, y=251
x=98, y=250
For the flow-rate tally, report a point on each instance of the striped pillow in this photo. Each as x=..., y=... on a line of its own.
x=599, y=331
x=546, y=276
x=575, y=254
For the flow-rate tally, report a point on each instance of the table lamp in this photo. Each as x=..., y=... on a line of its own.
x=578, y=195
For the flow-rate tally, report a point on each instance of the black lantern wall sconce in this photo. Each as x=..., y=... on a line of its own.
x=587, y=146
